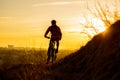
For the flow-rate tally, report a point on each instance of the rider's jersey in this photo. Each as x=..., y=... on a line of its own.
x=55, y=31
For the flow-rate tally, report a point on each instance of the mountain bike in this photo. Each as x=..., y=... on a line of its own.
x=51, y=51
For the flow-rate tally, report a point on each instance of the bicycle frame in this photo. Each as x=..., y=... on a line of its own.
x=51, y=51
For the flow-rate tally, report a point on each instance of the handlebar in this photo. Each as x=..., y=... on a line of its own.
x=47, y=37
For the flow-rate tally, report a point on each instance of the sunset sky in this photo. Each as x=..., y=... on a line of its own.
x=23, y=22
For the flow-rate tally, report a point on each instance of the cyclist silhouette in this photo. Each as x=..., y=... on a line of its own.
x=56, y=35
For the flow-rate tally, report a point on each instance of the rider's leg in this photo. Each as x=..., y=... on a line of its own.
x=57, y=46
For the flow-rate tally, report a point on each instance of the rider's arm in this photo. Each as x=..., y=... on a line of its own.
x=47, y=31
x=60, y=33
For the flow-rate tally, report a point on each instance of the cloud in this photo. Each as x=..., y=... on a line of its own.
x=57, y=3
x=5, y=17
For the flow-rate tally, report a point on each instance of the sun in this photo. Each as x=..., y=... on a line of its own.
x=92, y=22
x=101, y=29
x=99, y=25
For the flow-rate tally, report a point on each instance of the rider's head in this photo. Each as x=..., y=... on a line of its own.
x=53, y=22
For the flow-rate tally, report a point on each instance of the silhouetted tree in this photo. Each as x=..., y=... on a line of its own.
x=105, y=10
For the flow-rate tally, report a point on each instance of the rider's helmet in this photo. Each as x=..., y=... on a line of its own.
x=53, y=21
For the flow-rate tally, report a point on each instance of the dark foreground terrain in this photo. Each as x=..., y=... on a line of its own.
x=99, y=59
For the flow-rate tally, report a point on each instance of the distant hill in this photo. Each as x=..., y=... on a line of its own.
x=99, y=59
